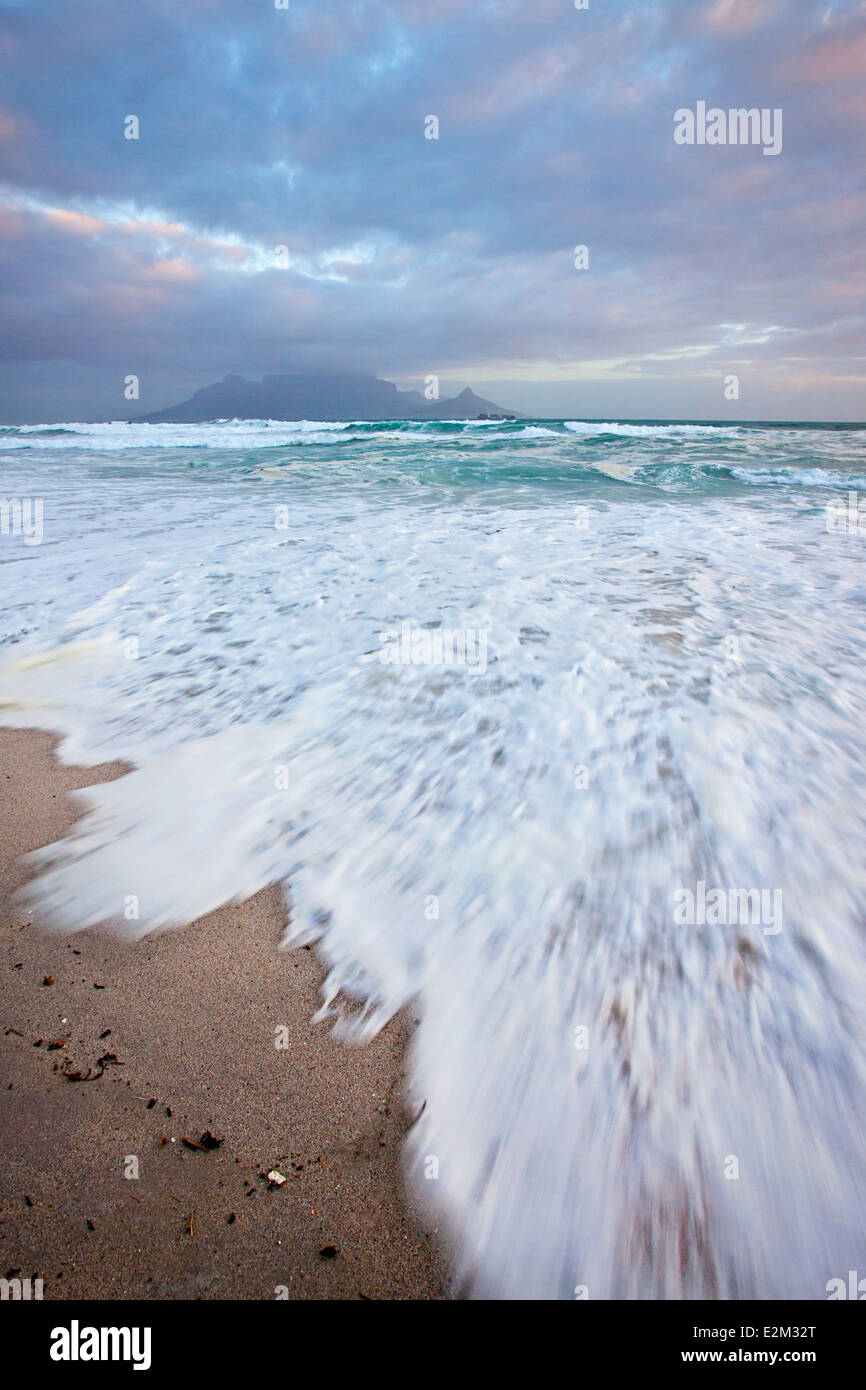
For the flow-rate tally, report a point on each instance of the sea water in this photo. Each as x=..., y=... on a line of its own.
x=633, y=1081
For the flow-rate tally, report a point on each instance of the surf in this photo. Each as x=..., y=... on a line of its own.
x=499, y=846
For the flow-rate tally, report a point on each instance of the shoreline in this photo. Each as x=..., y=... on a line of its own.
x=135, y=1047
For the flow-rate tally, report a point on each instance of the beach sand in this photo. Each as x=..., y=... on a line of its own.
x=188, y=1020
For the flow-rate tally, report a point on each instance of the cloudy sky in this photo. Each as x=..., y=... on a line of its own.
x=304, y=128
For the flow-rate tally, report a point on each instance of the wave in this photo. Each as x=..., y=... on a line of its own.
x=231, y=435
x=501, y=845
x=34, y=431
x=796, y=477
x=660, y=431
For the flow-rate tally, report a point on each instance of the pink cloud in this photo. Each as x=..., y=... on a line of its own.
x=170, y=230
x=536, y=75
x=12, y=224
x=78, y=223
x=840, y=59
x=738, y=16
x=172, y=270
x=9, y=127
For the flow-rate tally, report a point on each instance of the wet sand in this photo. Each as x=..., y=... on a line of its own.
x=185, y=1025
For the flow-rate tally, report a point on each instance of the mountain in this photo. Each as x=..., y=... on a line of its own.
x=320, y=396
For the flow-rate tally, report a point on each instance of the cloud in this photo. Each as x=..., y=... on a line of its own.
x=739, y=16
x=839, y=59
x=76, y=223
x=304, y=129
x=172, y=270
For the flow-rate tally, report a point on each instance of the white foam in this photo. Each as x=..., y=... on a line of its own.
x=433, y=838
x=597, y=427
x=190, y=830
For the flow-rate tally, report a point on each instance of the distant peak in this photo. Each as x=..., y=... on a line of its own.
x=321, y=395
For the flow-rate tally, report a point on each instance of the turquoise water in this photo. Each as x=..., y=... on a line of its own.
x=492, y=700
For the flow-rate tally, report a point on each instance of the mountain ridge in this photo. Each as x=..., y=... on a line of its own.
x=320, y=396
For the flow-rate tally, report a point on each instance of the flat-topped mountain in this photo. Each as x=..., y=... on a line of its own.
x=321, y=396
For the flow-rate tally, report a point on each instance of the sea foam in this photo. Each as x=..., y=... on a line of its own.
x=501, y=847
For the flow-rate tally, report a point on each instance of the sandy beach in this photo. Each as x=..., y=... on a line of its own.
x=121, y=1058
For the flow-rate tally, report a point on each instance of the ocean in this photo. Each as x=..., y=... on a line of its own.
x=554, y=728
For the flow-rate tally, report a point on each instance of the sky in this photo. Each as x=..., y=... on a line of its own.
x=306, y=128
